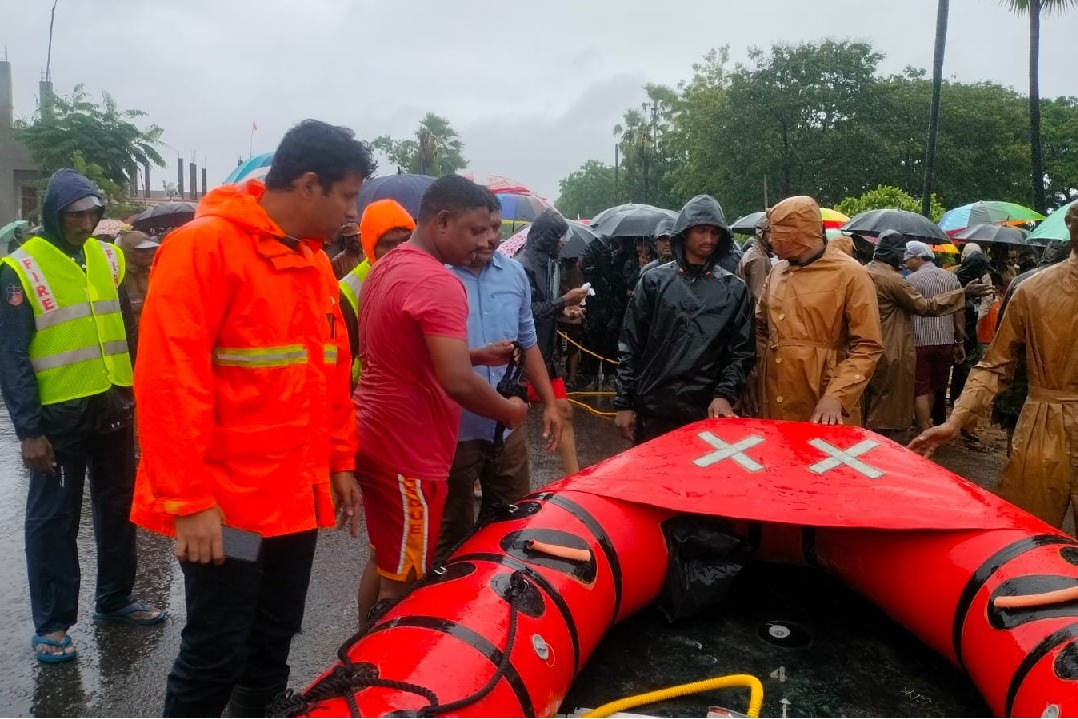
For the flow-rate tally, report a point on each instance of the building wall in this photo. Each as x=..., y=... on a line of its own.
x=17, y=169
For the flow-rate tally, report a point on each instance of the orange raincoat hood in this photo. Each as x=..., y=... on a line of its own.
x=379, y=218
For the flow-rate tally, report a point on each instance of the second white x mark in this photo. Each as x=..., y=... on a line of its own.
x=849, y=457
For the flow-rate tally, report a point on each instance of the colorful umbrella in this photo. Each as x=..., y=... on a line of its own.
x=110, y=228
x=406, y=189
x=517, y=208
x=947, y=249
x=255, y=168
x=579, y=239
x=993, y=233
x=986, y=212
x=833, y=218
x=501, y=185
x=1053, y=229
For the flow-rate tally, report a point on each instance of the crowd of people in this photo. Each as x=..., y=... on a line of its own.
x=276, y=385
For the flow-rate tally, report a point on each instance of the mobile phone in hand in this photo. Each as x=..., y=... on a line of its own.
x=241, y=544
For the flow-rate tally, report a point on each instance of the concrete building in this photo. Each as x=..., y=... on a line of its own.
x=18, y=174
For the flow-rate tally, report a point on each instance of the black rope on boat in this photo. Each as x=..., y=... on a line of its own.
x=346, y=680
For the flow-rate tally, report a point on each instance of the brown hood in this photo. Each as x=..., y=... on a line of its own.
x=796, y=226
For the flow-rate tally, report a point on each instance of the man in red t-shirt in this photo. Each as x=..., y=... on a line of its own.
x=417, y=373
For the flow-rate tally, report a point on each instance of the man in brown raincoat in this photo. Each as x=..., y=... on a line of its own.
x=817, y=323
x=1041, y=322
x=890, y=394
x=755, y=264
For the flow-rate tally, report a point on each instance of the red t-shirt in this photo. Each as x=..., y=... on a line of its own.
x=407, y=423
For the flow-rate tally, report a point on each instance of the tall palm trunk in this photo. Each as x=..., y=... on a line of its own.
x=942, y=9
x=1036, y=157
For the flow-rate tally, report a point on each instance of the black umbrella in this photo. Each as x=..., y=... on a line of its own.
x=580, y=236
x=404, y=188
x=993, y=233
x=630, y=221
x=167, y=214
x=747, y=225
x=910, y=224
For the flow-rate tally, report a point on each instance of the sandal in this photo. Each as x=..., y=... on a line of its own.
x=49, y=657
x=126, y=615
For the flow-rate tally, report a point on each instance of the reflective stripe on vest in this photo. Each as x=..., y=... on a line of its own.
x=260, y=356
x=79, y=347
x=330, y=356
x=351, y=286
x=116, y=347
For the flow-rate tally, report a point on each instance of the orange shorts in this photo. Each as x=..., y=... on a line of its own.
x=404, y=516
x=558, y=384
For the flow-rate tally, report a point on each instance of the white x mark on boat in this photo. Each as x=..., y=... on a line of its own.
x=849, y=457
x=729, y=451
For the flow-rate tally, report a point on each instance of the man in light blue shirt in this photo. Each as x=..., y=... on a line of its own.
x=499, y=314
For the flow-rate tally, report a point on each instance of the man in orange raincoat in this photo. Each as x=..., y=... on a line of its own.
x=1040, y=323
x=817, y=323
x=246, y=427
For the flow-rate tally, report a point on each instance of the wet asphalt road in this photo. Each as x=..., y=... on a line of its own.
x=121, y=670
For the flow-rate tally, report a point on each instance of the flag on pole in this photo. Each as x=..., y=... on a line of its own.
x=254, y=127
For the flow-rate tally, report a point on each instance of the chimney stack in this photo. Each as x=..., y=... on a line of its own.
x=179, y=177
x=7, y=102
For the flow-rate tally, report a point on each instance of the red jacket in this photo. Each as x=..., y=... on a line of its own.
x=242, y=380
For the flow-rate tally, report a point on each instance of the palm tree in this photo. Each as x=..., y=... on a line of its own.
x=1036, y=8
x=942, y=10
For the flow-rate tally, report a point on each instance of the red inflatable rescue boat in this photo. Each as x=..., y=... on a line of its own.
x=504, y=627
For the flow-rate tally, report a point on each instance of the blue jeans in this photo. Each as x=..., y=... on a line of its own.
x=241, y=617
x=53, y=511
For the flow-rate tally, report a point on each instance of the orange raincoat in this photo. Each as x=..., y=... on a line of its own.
x=242, y=382
x=1041, y=322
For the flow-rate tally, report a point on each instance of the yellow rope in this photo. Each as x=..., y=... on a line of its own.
x=605, y=393
x=589, y=408
x=582, y=348
x=756, y=694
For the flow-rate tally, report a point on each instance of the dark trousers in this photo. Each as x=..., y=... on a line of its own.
x=241, y=617
x=503, y=484
x=53, y=511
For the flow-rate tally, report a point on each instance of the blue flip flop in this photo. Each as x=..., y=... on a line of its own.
x=47, y=657
x=124, y=616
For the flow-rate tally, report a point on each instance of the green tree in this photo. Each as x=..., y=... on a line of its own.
x=693, y=145
x=887, y=197
x=1035, y=9
x=436, y=150
x=105, y=136
x=642, y=144
x=942, y=10
x=587, y=191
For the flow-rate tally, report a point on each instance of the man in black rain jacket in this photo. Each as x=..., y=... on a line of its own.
x=687, y=342
x=539, y=258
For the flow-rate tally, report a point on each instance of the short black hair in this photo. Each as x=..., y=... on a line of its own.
x=493, y=203
x=329, y=151
x=455, y=194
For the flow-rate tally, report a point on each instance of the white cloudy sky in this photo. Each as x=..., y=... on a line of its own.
x=533, y=87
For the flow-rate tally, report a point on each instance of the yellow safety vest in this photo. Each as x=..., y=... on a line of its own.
x=351, y=285
x=79, y=348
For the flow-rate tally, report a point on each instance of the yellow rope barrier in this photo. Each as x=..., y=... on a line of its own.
x=582, y=348
x=589, y=408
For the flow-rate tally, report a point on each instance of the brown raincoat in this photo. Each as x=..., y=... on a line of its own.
x=890, y=393
x=754, y=267
x=817, y=326
x=1041, y=321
